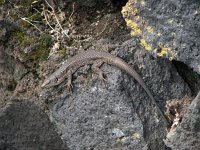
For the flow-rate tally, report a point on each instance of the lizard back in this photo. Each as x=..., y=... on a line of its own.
x=89, y=57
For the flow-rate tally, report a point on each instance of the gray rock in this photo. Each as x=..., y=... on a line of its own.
x=175, y=28
x=10, y=72
x=24, y=125
x=120, y=114
x=117, y=115
x=187, y=135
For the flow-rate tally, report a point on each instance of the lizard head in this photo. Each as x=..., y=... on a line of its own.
x=52, y=81
x=45, y=83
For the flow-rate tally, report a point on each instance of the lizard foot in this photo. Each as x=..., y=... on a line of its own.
x=69, y=82
x=101, y=76
x=102, y=79
x=97, y=70
x=69, y=87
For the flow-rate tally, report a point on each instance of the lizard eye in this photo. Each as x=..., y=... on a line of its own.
x=56, y=80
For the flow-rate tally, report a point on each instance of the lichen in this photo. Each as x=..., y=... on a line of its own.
x=150, y=29
x=143, y=3
x=145, y=44
x=164, y=50
x=136, y=30
x=144, y=31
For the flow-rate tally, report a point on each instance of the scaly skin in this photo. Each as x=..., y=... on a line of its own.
x=90, y=57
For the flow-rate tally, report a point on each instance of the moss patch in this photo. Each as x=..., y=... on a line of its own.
x=39, y=46
x=25, y=3
x=22, y=38
x=2, y=2
x=42, y=52
x=62, y=52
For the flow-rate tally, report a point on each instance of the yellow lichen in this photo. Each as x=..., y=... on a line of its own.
x=124, y=10
x=128, y=4
x=173, y=55
x=159, y=34
x=145, y=44
x=136, y=136
x=134, y=26
x=127, y=9
x=150, y=29
x=163, y=50
x=142, y=3
x=140, y=26
x=134, y=12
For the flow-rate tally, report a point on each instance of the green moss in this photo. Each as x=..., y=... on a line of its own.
x=35, y=16
x=31, y=16
x=40, y=50
x=62, y=51
x=2, y=2
x=22, y=38
x=25, y=3
x=29, y=9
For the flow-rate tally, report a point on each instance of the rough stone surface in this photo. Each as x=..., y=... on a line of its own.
x=10, y=71
x=24, y=126
x=167, y=28
x=187, y=135
x=119, y=114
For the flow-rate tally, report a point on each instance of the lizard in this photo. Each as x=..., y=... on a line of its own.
x=97, y=58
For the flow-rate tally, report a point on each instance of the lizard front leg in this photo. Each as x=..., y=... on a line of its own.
x=69, y=80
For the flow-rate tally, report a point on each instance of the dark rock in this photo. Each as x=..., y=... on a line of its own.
x=167, y=28
x=190, y=77
x=120, y=115
x=117, y=115
x=10, y=72
x=6, y=28
x=24, y=126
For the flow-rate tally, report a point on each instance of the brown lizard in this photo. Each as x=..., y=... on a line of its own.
x=97, y=58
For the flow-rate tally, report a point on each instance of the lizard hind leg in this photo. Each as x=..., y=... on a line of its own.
x=95, y=68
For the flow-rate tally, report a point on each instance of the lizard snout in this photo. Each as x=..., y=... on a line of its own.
x=45, y=83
